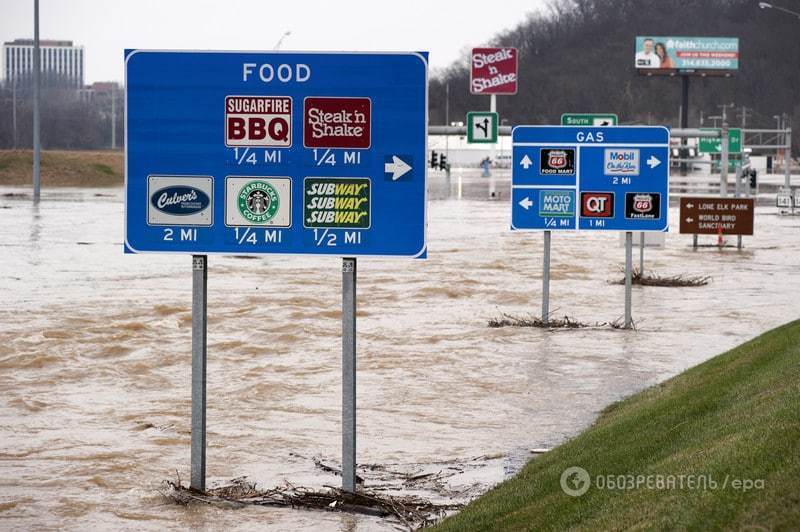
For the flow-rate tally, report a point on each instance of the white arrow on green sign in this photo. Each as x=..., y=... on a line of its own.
x=714, y=145
x=589, y=119
x=482, y=127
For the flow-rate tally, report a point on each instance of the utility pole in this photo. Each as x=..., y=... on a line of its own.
x=743, y=117
x=14, y=109
x=36, y=80
x=114, y=117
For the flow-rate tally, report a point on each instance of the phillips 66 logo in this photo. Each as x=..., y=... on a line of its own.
x=557, y=161
x=642, y=205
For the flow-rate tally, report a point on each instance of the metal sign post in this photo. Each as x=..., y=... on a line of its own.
x=628, y=283
x=349, y=375
x=567, y=178
x=641, y=254
x=295, y=153
x=199, y=352
x=546, y=279
x=723, y=163
x=37, y=147
x=492, y=152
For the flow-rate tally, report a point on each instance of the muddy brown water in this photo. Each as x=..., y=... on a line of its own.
x=95, y=357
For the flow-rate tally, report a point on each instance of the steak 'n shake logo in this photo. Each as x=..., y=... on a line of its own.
x=621, y=161
x=337, y=122
x=557, y=161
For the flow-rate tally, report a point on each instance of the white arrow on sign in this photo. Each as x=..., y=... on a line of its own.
x=526, y=203
x=690, y=205
x=398, y=168
x=526, y=162
x=652, y=162
x=689, y=220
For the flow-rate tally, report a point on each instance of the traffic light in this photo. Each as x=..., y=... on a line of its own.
x=434, y=159
x=753, y=178
x=443, y=162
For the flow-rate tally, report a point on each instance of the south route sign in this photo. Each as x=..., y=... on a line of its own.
x=712, y=216
x=589, y=119
x=285, y=153
x=493, y=71
x=590, y=178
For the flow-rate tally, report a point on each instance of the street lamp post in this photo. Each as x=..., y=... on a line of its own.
x=766, y=5
x=280, y=41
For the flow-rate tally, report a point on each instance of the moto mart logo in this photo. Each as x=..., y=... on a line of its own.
x=263, y=201
x=621, y=161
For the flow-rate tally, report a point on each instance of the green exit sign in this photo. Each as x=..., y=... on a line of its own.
x=714, y=145
x=589, y=119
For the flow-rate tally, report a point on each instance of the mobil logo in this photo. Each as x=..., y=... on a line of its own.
x=180, y=200
x=258, y=121
x=621, y=161
x=597, y=204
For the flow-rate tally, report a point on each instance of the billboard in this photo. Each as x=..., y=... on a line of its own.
x=493, y=71
x=687, y=55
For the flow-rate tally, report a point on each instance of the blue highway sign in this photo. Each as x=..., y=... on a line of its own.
x=590, y=178
x=276, y=152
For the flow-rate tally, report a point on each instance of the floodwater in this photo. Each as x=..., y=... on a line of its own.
x=95, y=357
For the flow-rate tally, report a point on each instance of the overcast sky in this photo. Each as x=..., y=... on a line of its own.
x=106, y=27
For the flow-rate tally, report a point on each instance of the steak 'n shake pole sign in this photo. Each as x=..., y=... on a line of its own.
x=494, y=71
x=276, y=152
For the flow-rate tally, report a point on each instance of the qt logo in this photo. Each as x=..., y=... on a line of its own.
x=597, y=204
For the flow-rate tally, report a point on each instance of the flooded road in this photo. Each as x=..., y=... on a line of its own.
x=95, y=356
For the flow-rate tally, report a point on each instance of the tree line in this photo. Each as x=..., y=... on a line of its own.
x=70, y=119
x=577, y=56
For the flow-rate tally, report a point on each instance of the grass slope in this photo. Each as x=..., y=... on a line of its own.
x=63, y=168
x=736, y=415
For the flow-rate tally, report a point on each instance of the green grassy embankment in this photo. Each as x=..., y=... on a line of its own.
x=63, y=168
x=734, y=419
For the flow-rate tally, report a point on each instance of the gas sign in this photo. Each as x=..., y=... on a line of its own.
x=590, y=178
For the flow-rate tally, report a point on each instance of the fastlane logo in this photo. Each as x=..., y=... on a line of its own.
x=263, y=121
x=643, y=205
x=597, y=204
x=557, y=161
x=621, y=161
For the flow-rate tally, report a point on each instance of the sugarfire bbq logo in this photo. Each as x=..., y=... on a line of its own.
x=258, y=202
x=557, y=161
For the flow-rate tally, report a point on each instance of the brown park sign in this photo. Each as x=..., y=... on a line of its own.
x=710, y=216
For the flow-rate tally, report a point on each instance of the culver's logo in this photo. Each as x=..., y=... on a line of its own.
x=180, y=200
x=621, y=162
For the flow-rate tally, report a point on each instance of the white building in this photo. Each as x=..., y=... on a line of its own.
x=62, y=62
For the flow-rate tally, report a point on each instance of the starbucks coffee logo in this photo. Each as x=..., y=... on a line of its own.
x=258, y=202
